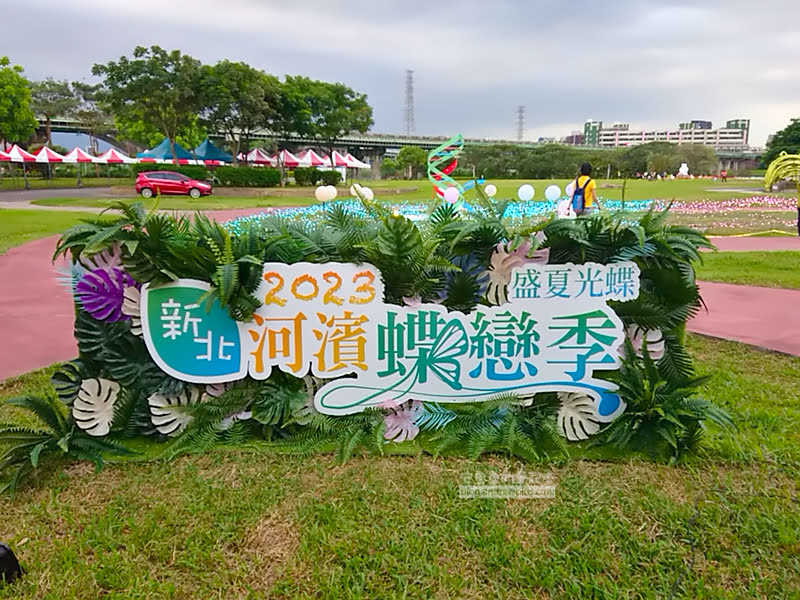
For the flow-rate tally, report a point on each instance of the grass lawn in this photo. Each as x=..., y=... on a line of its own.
x=36, y=183
x=239, y=523
x=683, y=189
x=779, y=269
x=20, y=226
x=186, y=203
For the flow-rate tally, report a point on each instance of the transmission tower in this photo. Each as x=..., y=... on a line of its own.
x=410, y=127
x=520, y=123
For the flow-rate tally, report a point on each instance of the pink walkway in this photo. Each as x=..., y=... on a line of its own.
x=36, y=314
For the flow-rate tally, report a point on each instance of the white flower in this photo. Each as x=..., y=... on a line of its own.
x=168, y=413
x=93, y=409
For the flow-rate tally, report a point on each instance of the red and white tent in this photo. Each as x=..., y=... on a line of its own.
x=339, y=160
x=288, y=160
x=257, y=156
x=17, y=154
x=354, y=163
x=114, y=157
x=79, y=156
x=148, y=159
x=4, y=157
x=46, y=155
x=309, y=158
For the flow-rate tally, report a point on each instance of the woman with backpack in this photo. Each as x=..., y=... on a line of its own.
x=584, y=198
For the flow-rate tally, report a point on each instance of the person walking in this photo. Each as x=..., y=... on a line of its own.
x=584, y=198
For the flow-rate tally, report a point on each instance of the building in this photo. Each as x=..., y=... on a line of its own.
x=734, y=136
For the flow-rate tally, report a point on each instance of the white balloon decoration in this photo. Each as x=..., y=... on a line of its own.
x=451, y=195
x=331, y=192
x=525, y=192
x=321, y=193
x=552, y=193
x=490, y=190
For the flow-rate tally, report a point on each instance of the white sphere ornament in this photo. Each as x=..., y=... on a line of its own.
x=490, y=190
x=570, y=189
x=331, y=192
x=451, y=195
x=552, y=193
x=321, y=193
x=356, y=190
x=525, y=192
x=368, y=193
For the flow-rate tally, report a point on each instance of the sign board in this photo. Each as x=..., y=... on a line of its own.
x=330, y=320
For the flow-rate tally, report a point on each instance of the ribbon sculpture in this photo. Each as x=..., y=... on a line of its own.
x=442, y=160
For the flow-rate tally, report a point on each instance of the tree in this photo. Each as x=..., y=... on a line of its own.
x=239, y=100
x=17, y=122
x=324, y=111
x=156, y=88
x=89, y=112
x=413, y=160
x=786, y=140
x=51, y=98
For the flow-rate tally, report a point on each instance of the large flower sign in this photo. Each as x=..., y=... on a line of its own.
x=329, y=320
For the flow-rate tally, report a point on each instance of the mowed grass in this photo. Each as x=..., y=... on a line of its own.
x=421, y=189
x=185, y=203
x=20, y=226
x=37, y=183
x=239, y=524
x=778, y=268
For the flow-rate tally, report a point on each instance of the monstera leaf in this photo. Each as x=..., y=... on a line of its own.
x=67, y=381
x=101, y=293
x=653, y=339
x=93, y=410
x=168, y=412
x=131, y=308
x=304, y=414
x=400, y=422
x=577, y=416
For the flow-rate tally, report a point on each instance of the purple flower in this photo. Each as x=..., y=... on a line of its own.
x=101, y=293
x=400, y=420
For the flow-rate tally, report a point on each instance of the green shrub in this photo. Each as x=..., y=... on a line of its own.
x=330, y=177
x=247, y=176
x=306, y=175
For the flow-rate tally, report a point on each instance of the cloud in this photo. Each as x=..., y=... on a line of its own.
x=652, y=63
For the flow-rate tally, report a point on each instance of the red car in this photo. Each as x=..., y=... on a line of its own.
x=149, y=183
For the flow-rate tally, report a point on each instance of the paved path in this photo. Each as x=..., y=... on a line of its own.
x=36, y=313
x=746, y=244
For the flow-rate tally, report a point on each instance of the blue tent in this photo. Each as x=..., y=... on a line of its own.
x=162, y=151
x=208, y=151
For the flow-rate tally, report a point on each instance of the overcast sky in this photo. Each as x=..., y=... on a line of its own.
x=650, y=63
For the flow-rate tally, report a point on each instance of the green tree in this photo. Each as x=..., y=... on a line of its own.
x=51, y=98
x=389, y=168
x=156, y=88
x=239, y=99
x=324, y=111
x=17, y=122
x=413, y=161
x=786, y=140
x=89, y=112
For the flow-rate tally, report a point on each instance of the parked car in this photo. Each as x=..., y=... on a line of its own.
x=149, y=183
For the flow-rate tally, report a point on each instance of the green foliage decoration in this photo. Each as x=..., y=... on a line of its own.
x=443, y=258
x=57, y=437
